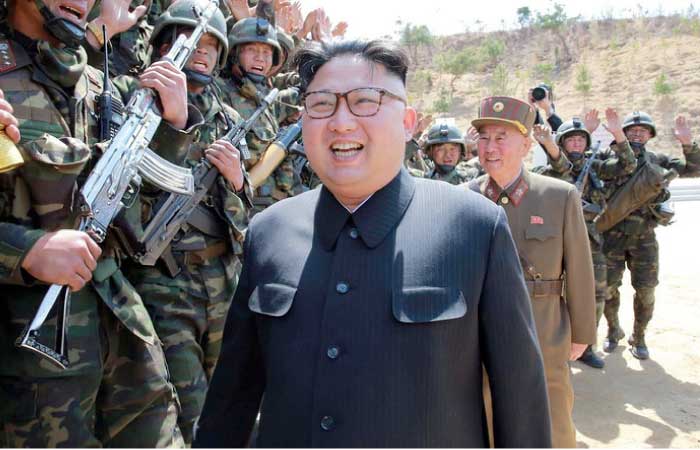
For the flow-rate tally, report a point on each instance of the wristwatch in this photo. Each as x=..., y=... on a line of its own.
x=97, y=32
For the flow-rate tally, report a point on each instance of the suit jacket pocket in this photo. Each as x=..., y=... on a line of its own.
x=428, y=304
x=539, y=232
x=272, y=299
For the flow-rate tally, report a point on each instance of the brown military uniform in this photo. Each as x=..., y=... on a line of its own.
x=547, y=224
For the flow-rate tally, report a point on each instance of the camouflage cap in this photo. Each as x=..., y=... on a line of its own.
x=506, y=110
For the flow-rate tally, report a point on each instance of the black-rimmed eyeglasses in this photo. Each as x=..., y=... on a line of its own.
x=362, y=102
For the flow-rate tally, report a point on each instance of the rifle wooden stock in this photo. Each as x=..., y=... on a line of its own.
x=270, y=160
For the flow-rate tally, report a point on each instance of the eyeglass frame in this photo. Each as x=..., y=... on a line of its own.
x=343, y=95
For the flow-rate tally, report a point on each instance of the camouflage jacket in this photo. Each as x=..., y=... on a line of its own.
x=40, y=196
x=222, y=204
x=687, y=166
x=244, y=97
x=610, y=164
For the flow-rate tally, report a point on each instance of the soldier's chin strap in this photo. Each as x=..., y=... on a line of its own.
x=64, y=30
x=198, y=79
x=445, y=168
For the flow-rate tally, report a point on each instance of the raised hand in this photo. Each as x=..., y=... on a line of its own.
x=682, y=131
x=591, y=120
x=239, y=9
x=543, y=134
x=614, y=125
x=340, y=29
x=117, y=16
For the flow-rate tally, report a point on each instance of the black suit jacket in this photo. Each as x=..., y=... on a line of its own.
x=370, y=329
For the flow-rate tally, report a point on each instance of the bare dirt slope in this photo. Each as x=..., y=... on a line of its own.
x=653, y=403
x=624, y=59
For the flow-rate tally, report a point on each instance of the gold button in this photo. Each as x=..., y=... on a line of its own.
x=504, y=200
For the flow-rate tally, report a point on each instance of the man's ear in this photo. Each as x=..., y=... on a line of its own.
x=410, y=120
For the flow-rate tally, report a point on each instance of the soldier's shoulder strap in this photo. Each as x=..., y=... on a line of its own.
x=12, y=56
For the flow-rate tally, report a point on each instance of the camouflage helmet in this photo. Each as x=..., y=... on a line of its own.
x=570, y=127
x=443, y=133
x=286, y=43
x=255, y=29
x=182, y=13
x=639, y=118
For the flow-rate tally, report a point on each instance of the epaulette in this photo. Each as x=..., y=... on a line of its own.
x=8, y=61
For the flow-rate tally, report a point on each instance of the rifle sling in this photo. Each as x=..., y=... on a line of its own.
x=207, y=222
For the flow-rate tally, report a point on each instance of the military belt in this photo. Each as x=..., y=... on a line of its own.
x=545, y=288
x=175, y=260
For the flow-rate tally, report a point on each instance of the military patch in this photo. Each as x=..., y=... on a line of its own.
x=8, y=61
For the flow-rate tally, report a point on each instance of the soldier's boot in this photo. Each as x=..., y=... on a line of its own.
x=615, y=333
x=643, y=311
x=590, y=359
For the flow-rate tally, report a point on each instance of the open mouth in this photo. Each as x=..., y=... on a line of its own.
x=72, y=12
x=346, y=150
x=257, y=69
x=199, y=66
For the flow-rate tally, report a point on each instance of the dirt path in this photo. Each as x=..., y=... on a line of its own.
x=653, y=403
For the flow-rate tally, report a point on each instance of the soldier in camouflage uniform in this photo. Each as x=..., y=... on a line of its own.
x=568, y=154
x=632, y=241
x=445, y=147
x=188, y=291
x=116, y=390
x=254, y=50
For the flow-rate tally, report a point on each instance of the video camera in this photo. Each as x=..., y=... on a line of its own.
x=542, y=91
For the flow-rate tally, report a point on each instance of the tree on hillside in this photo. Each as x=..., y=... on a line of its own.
x=556, y=21
x=415, y=36
x=524, y=17
x=583, y=82
x=457, y=63
x=492, y=50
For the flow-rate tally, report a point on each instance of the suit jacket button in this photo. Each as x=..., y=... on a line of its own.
x=354, y=234
x=342, y=288
x=333, y=352
x=327, y=423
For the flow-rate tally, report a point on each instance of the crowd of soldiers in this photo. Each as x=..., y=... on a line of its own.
x=143, y=340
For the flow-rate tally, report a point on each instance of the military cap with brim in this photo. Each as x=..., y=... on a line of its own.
x=505, y=110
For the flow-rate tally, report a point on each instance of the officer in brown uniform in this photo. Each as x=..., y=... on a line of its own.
x=550, y=234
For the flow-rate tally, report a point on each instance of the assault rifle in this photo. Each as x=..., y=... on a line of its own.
x=589, y=209
x=114, y=183
x=175, y=209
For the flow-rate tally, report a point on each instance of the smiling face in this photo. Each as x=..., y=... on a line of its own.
x=256, y=58
x=356, y=156
x=501, y=151
x=638, y=134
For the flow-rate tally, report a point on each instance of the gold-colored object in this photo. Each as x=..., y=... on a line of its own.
x=10, y=157
x=273, y=157
x=97, y=32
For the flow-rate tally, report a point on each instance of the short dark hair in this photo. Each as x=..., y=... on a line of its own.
x=314, y=55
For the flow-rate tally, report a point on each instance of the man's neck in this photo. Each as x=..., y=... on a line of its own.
x=505, y=181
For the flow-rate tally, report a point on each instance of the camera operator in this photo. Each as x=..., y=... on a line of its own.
x=541, y=98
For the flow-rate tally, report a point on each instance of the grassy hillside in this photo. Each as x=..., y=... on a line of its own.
x=649, y=64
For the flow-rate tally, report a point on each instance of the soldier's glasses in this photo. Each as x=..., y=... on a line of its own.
x=362, y=102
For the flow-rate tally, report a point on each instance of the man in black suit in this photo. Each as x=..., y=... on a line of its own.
x=367, y=308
